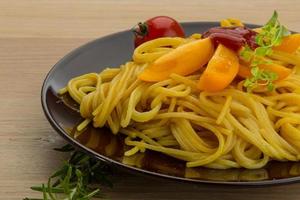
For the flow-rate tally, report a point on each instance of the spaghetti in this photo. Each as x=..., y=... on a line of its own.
x=227, y=129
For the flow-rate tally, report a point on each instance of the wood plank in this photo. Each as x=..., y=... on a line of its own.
x=34, y=35
x=27, y=139
x=69, y=19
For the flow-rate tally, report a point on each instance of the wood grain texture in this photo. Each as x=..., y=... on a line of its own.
x=73, y=19
x=36, y=34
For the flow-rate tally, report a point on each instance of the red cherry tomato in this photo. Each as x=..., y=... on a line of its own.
x=156, y=27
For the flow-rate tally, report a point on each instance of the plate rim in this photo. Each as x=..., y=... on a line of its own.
x=55, y=125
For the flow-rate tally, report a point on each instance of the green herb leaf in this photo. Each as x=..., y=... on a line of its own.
x=247, y=53
x=271, y=35
x=74, y=179
x=273, y=20
x=255, y=71
x=65, y=148
x=270, y=86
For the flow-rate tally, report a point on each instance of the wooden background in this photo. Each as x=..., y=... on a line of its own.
x=36, y=34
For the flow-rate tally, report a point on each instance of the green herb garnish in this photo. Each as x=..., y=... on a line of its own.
x=76, y=178
x=271, y=35
x=260, y=77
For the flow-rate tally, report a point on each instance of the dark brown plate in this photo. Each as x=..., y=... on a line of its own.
x=114, y=50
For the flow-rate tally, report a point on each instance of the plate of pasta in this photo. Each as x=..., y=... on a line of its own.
x=208, y=102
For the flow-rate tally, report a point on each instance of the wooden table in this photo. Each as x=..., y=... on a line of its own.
x=35, y=34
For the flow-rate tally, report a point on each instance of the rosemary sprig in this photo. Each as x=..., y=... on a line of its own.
x=76, y=178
